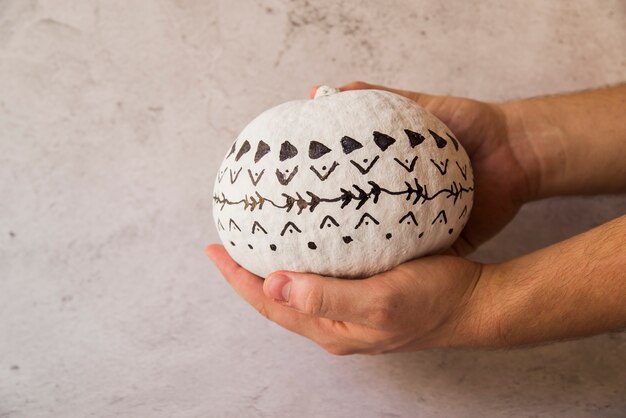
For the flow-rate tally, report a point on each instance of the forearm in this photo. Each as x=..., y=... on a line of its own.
x=571, y=289
x=571, y=144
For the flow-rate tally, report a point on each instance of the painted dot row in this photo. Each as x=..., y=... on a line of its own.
x=346, y=239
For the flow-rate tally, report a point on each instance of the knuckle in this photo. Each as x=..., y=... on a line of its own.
x=383, y=310
x=380, y=316
x=316, y=304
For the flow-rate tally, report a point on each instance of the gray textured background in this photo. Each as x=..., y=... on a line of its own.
x=114, y=116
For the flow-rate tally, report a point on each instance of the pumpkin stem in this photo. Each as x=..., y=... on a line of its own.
x=325, y=91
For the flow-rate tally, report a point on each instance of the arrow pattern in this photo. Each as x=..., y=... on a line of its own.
x=353, y=195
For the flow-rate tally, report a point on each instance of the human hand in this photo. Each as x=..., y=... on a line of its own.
x=420, y=304
x=447, y=301
x=443, y=301
x=501, y=183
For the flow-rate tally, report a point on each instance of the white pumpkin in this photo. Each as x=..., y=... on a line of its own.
x=348, y=184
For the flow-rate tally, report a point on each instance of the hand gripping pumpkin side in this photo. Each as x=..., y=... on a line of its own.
x=348, y=185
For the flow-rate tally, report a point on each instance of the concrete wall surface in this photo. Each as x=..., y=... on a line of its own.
x=114, y=116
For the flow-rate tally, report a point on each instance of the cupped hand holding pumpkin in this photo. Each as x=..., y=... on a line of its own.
x=503, y=182
x=444, y=301
x=447, y=301
x=420, y=304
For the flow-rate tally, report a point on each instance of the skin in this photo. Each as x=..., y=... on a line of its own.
x=520, y=151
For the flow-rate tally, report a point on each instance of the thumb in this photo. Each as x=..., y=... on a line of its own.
x=325, y=297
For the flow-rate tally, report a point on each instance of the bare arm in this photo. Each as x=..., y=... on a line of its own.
x=571, y=144
x=524, y=150
x=571, y=289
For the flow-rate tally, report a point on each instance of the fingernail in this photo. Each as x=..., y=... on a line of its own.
x=279, y=287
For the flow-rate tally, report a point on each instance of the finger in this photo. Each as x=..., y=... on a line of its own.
x=246, y=284
x=356, y=301
x=335, y=336
x=250, y=288
x=420, y=98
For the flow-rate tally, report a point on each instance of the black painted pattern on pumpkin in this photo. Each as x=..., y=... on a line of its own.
x=254, y=180
x=441, y=216
x=363, y=170
x=441, y=166
x=415, y=138
x=220, y=175
x=257, y=226
x=415, y=192
x=408, y=217
x=232, y=223
x=350, y=144
x=220, y=226
x=409, y=167
x=463, y=212
x=454, y=141
x=321, y=176
x=233, y=179
x=439, y=140
x=287, y=225
x=232, y=149
x=245, y=147
x=462, y=170
x=357, y=194
x=383, y=141
x=261, y=150
x=364, y=220
x=286, y=180
x=362, y=197
x=287, y=151
x=317, y=150
x=328, y=218
x=298, y=201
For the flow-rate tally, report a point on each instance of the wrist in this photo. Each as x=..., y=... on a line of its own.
x=538, y=144
x=519, y=129
x=476, y=322
x=571, y=289
x=480, y=322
